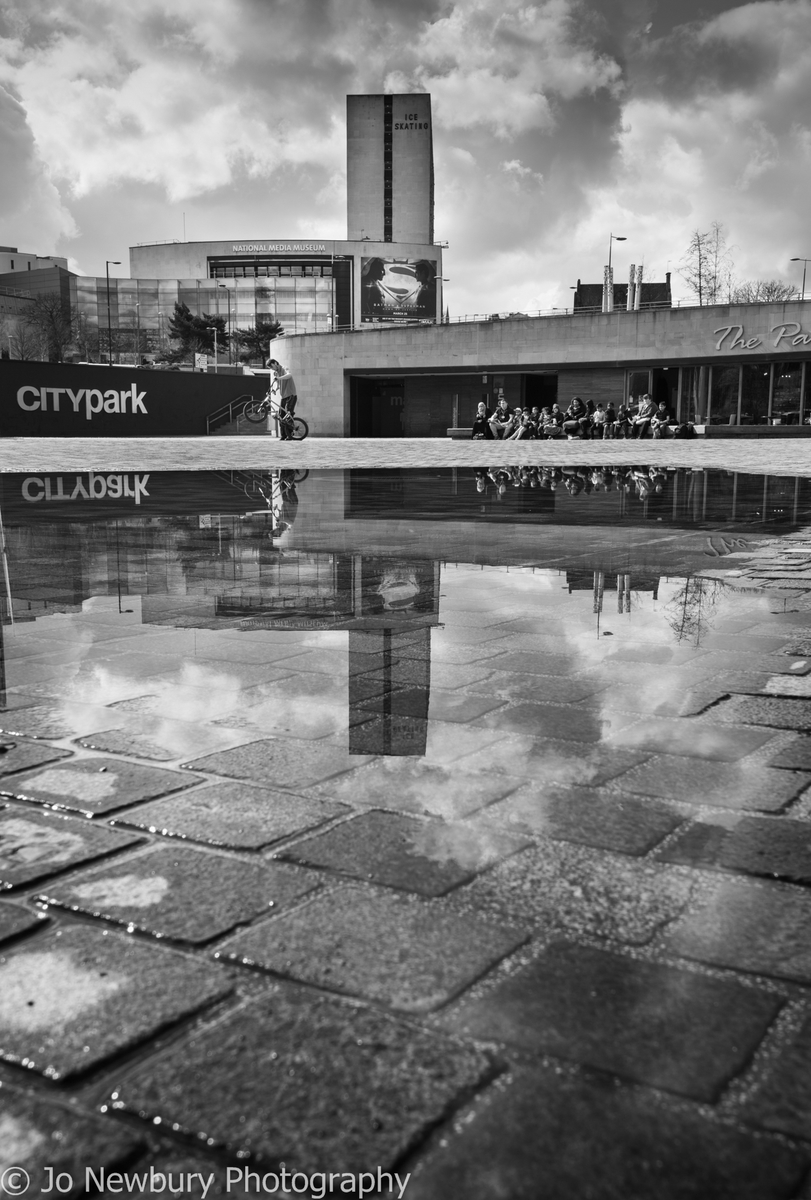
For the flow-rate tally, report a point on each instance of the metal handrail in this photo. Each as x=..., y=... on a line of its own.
x=228, y=410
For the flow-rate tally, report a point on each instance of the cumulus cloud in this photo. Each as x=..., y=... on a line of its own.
x=555, y=123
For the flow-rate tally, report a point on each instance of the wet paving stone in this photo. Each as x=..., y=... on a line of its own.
x=783, y=1101
x=697, y=846
x=279, y=764
x=14, y=920
x=549, y=721
x=691, y=738
x=590, y=1138
x=533, y=664
x=20, y=756
x=72, y=998
x=38, y=1134
x=411, y=785
x=546, y=689
x=671, y=1029
x=36, y=845
x=561, y=887
x=591, y=816
x=411, y=954
x=318, y=1083
x=780, y=849
x=161, y=739
x=241, y=816
x=743, y=786
x=426, y=857
x=54, y=720
x=778, y=712
x=175, y=891
x=95, y=784
x=755, y=927
x=553, y=761
x=796, y=756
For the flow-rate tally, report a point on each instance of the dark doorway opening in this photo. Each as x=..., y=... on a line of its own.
x=540, y=391
x=376, y=408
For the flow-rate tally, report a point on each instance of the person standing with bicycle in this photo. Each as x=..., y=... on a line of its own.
x=287, y=395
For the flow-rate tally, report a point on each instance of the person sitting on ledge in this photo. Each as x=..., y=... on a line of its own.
x=576, y=419
x=642, y=421
x=501, y=422
x=481, y=423
x=525, y=429
x=660, y=421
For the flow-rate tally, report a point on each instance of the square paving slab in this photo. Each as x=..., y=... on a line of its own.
x=72, y=998
x=411, y=954
x=779, y=712
x=742, y=785
x=592, y=816
x=320, y=1084
x=796, y=756
x=35, y=845
x=39, y=1134
x=672, y=1029
x=427, y=857
x=783, y=1100
x=412, y=785
x=54, y=720
x=14, y=920
x=558, y=886
x=585, y=1139
x=19, y=756
x=693, y=738
x=239, y=815
x=95, y=784
x=749, y=926
x=178, y=892
x=777, y=848
x=161, y=739
x=280, y=764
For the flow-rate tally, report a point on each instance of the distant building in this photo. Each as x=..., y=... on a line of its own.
x=589, y=296
x=12, y=259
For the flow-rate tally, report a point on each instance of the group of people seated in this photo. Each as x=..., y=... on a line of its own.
x=639, y=481
x=582, y=419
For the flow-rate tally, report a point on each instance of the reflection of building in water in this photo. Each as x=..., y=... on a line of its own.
x=393, y=719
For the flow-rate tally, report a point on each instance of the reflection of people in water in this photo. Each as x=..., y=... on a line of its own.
x=643, y=481
x=284, y=504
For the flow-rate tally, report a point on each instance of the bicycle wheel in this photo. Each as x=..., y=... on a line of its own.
x=256, y=411
x=300, y=475
x=300, y=429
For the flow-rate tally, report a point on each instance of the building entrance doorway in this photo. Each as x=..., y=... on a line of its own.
x=540, y=391
x=376, y=408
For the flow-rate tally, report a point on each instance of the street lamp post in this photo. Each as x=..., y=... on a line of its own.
x=108, y=263
x=805, y=262
x=608, y=283
x=228, y=294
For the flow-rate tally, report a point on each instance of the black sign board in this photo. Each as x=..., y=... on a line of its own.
x=77, y=400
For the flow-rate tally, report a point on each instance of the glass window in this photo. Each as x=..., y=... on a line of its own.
x=724, y=395
x=755, y=393
x=786, y=397
x=638, y=384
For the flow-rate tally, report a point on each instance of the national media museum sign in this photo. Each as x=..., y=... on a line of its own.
x=279, y=248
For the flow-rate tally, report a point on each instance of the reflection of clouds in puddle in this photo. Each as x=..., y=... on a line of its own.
x=298, y=716
x=47, y=990
x=123, y=891
x=19, y=1141
x=25, y=842
x=788, y=685
x=467, y=846
x=78, y=784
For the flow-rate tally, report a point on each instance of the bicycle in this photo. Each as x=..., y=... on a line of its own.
x=258, y=410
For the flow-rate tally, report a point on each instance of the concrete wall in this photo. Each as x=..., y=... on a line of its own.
x=595, y=340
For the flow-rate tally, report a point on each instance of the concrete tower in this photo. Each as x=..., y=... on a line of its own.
x=390, y=169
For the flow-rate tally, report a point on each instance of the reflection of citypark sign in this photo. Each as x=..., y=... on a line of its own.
x=732, y=337
x=279, y=248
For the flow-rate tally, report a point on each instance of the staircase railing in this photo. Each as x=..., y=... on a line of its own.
x=228, y=412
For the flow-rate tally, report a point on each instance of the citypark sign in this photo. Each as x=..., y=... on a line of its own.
x=279, y=248
x=788, y=333
x=87, y=400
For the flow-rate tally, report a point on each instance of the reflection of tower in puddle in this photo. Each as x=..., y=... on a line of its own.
x=395, y=603
x=393, y=719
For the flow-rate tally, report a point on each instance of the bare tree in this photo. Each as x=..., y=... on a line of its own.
x=23, y=340
x=689, y=614
x=707, y=265
x=761, y=291
x=56, y=320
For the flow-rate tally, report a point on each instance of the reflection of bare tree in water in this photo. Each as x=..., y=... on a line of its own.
x=689, y=614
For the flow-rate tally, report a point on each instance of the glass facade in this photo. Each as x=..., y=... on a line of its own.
x=756, y=393
x=138, y=311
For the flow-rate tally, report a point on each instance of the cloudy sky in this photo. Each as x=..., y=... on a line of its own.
x=556, y=122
